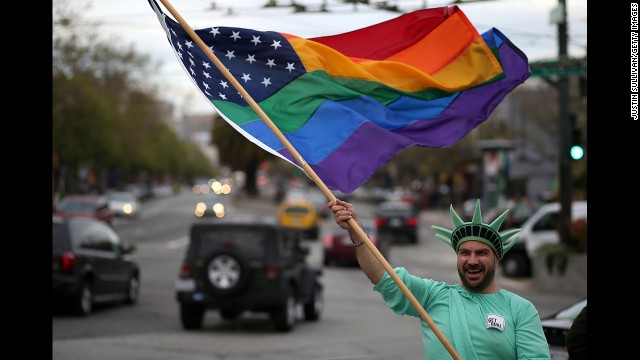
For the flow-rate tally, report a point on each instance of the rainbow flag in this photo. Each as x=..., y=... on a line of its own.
x=348, y=103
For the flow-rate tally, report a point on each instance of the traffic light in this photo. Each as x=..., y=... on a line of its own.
x=576, y=151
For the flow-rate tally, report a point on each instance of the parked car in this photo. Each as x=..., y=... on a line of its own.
x=556, y=327
x=141, y=191
x=92, y=206
x=124, y=204
x=397, y=220
x=235, y=266
x=91, y=265
x=320, y=201
x=300, y=214
x=211, y=204
x=338, y=247
x=539, y=229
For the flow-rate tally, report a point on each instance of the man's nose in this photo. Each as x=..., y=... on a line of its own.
x=473, y=259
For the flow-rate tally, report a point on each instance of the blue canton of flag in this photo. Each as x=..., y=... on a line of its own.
x=262, y=62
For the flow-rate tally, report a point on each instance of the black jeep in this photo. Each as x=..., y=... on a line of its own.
x=237, y=266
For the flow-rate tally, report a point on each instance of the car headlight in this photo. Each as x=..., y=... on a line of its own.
x=218, y=209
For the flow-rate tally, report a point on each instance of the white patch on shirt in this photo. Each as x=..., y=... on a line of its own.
x=495, y=321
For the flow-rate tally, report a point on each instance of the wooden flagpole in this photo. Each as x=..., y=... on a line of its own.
x=354, y=225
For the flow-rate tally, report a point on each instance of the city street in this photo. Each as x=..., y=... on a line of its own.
x=355, y=324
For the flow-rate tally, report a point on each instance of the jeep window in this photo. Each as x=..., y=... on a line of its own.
x=249, y=240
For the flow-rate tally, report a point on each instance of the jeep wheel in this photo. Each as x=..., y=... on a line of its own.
x=313, y=308
x=82, y=302
x=133, y=290
x=227, y=273
x=515, y=265
x=284, y=316
x=191, y=316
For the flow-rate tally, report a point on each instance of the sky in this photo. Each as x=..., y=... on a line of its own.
x=527, y=23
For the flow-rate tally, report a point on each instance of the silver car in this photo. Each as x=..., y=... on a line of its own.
x=124, y=204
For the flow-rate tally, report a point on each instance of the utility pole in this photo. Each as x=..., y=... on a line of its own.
x=566, y=179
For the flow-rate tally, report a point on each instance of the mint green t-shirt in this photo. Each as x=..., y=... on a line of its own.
x=500, y=326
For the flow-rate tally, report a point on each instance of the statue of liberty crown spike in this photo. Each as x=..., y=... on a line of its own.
x=476, y=230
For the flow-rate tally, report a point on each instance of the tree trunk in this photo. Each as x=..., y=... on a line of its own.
x=250, y=185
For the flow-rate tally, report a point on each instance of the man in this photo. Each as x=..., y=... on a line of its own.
x=478, y=318
x=577, y=336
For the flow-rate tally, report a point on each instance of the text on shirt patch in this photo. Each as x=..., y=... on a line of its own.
x=495, y=321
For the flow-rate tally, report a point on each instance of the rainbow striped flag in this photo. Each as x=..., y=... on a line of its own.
x=349, y=103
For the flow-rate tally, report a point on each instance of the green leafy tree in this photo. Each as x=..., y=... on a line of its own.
x=105, y=116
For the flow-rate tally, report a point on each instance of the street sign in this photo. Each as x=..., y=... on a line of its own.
x=559, y=68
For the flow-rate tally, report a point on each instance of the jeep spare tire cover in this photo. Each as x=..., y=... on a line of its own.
x=226, y=272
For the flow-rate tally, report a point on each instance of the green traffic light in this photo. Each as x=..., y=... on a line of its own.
x=577, y=152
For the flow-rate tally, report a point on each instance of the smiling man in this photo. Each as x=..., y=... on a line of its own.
x=479, y=318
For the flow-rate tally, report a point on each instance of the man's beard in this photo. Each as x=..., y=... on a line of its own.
x=486, y=280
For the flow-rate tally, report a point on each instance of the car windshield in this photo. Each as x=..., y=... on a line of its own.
x=76, y=205
x=392, y=209
x=121, y=196
x=572, y=311
x=248, y=239
x=296, y=210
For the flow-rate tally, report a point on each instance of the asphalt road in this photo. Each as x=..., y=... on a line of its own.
x=355, y=324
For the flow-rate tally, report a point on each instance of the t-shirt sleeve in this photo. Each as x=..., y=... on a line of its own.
x=396, y=299
x=531, y=344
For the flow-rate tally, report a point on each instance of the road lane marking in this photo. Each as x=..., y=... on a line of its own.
x=177, y=243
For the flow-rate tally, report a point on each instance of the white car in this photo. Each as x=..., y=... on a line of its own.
x=124, y=204
x=539, y=229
